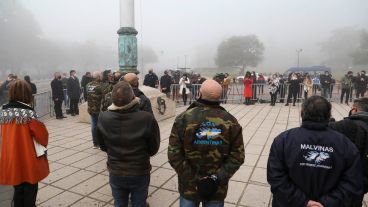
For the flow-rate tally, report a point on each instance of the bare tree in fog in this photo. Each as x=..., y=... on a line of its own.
x=338, y=48
x=360, y=55
x=240, y=51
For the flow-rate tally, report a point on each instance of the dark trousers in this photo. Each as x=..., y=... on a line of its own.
x=25, y=195
x=273, y=98
x=305, y=95
x=74, y=106
x=94, y=120
x=254, y=91
x=57, y=108
x=360, y=92
x=343, y=92
x=135, y=186
x=294, y=94
x=185, y=96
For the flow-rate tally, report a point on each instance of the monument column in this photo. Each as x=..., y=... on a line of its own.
x=128, y=57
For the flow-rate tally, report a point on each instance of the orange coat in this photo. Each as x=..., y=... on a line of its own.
x=248, y=87
x=18, y=161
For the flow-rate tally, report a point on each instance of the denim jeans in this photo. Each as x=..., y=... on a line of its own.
x=325, y=92
x=187, y=203
x=135, y=186
x=94, y=120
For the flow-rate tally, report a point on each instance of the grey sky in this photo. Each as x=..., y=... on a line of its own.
x=174, y=28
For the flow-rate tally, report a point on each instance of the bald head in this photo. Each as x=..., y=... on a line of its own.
x=132, y=79
x=211, y=90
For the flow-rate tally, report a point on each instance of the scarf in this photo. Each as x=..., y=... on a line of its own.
x=130, y=105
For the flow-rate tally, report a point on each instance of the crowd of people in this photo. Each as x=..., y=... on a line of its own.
x=321, y=163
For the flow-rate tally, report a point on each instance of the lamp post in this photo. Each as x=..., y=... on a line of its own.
x=299, y=51
x=128, y=58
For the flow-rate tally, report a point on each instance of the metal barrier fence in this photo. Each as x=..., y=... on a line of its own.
x=43, y=104
x=234, y=94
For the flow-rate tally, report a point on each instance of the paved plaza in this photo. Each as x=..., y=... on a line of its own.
x=79, y=176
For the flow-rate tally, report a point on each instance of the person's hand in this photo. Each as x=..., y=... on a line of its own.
x=314, y=204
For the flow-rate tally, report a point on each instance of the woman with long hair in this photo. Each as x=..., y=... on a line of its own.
x=307, y=86
x=248, y=82
x=23, y=161
x=273, y=86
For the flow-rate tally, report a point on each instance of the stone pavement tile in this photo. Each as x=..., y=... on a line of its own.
x=47, y=193
x=259, y=175
x=55, y=166
x=229, y=205
x=74, y=143
x=83, y=146
x=86, y=162
x=92, y=151
x=87, y=202
x=109, y=205
x=61, y=200
x=61, y=155
x=266, y=150
x=98, y=167
x=90, y=185
x=242, y=174
x=103, y=194
x=59, y=174
x=262, y=162
x=172, y=184
x=176, y=204
x=253, y=149
x=256, y=140
x=250, y=159
x=54, y=150
x=74, y=179
x=235, y=191
x=256, y=196
x=151, y=190
x=159, y=159
x=74, y=158
x=167, y=165
x=160, y=176
x=162, y=198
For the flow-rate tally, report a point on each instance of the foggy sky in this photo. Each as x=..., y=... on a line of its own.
x=175, y=28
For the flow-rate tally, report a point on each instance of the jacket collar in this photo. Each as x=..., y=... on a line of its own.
x=315, y=125
x=20, y=112
x=17, y=104
x=132, y=106
x=359, y=116
x=204, y=103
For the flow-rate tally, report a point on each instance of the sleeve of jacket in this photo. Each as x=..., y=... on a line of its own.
x=176, y=154
x=100, y=133
x=236, y=154
x=146, y=105
x=39, y=132
x=154, y=137
x=350, y=186
x=53, y=90
x=277, y=176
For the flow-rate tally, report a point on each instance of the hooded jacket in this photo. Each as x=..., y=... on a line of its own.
x=130, y=137
x=313, y=162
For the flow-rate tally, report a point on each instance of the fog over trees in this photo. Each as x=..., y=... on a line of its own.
x=39, y=37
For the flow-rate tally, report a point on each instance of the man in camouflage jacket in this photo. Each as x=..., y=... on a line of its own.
x=205, y=149
x=95, y=94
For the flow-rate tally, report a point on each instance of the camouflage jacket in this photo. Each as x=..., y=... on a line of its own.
x=205, y=140
x=107, y=99
x=95, y=93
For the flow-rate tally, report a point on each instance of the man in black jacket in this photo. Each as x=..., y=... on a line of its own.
x=325, y=84
x=144, y=102
x=130, y=137
x=150, y=79
x=57, y=95
x=313, y=165
x=361, y=83
x=73, y=89
x=165, y=83
x=355, y=127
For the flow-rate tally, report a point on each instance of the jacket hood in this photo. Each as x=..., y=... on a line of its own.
x=134, y=104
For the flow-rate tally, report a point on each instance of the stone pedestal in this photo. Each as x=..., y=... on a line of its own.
x=153, y=95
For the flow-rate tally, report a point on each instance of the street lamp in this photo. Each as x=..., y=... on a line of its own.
x=299, y=51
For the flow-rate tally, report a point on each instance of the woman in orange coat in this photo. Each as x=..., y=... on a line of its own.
x=248, y=81
x=21, y=165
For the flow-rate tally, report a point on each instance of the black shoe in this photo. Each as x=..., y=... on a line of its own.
x=64, y=117
x=73, y=114
x=287, y=104
x=293, y=104
x=59, y=117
